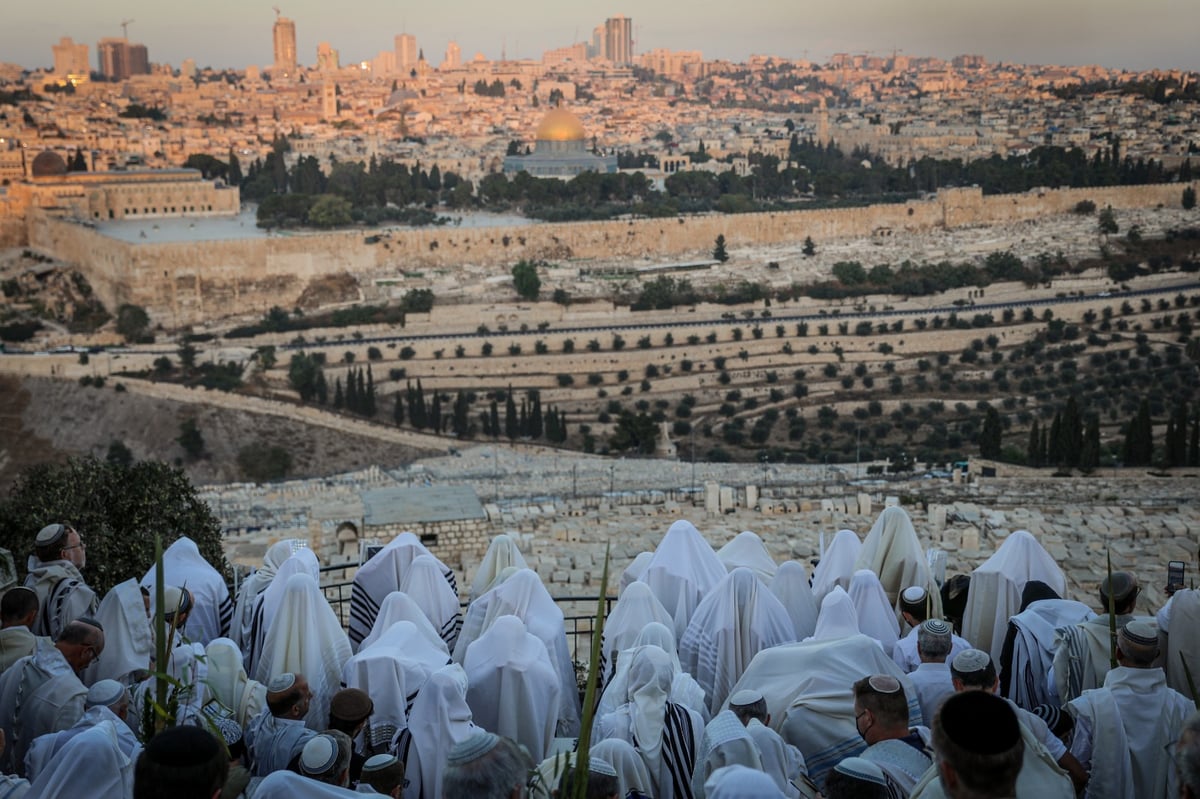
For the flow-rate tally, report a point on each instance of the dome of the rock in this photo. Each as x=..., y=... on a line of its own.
x=48, y=164
x=560, y=125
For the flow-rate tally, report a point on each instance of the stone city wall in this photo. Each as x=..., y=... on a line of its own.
x=186, y=282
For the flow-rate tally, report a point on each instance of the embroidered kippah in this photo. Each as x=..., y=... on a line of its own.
x=598, y=765
x=281, y=682
x=914, y=594
x=861, y=769
x=104, y=693
x=379, y=762
x=472, y=748
x=971, y=661
x=746, y=696
x=318, y=755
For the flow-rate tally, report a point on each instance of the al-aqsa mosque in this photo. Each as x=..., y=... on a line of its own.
x=560, y=150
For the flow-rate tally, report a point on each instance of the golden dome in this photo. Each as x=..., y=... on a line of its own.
x=560, y=125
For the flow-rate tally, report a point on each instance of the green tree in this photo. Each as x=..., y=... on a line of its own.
x=809, y=249
x=305, y=375
x=1189, y=198
x=849, y=273
x=190, y=438
x=132, y=322
x=1108, y=221
x=638, y=433
x=511, y=427
x=1033, y=452
x=719, y=253
x=1139, y=438
x=990, y=438
x=1089, y=454
x=119, y=509
x=526, y=280
x=119, y=454
x=328, y=211
x=264, y=462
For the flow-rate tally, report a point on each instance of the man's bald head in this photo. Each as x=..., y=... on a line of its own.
x=81, y=642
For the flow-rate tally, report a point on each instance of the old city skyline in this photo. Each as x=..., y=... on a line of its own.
x=1110, y=33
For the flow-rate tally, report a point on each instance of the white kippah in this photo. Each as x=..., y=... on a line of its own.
x=378, y=762
x=104, y=693
x=914, y=593
x=49, y=534
x=861, y=769
x=281, y=682
x=746, y=696
x=971, y=661
x=318, y=755
x=172, y=597
x=598, y=765
x=472, y=748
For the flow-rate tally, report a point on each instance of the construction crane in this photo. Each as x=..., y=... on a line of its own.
x=278, y=13
x=125, y=23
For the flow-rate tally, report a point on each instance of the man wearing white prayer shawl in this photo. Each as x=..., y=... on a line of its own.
x=1082, y=650
x=682, y=572
x=107, y=703
x=266, y=607
x=625, y=760
x=187, y=673
x=276, y=736
x=501, y=553
x=383, y=574
x=747, y=549
x=836, y=565
x=996, y=586
x=399, y=606
x=211, y=615
x=41, y=693
x=523, y=595
x=790, y=587
x=1125, y=731
x=740, y=782
x=93, y=763
x=1179, y=624
x=58, y=557
x=513, y=690
x=424, y=582
x=255, y=584
x=914, y=602
x=306, y=638
x=440, y=718
x=127, y=634
x=739, y=618
x=932, y=679
x=1028, y=652
x=807, y=688
x=782, y=762
x=634, y=571
x=391, y=671
x=636, y=608
x=18, y=611
x=893, y=551
x=684, y=689
x=876, y=617
x=664, y=733
x=228, y=684
x=289, y=785
x=725, y=743
x=838, y=618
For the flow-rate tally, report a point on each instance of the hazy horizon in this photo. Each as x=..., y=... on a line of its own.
x=1154, y=34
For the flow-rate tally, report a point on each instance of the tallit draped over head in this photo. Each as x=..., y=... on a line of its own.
x=636, y=608
x=838, y=617
x=876, y=617
x=91, y=763
x=737, y=619
x=228, y=684
x=501, y=553
x=392, y=671
x=740, y=782
x=836, y=566
x=425, y=583
x=514, y=691
x=725, y=743
x=255, y=584
x=306, y=638
x=212, y=612
x=290, y=785
x=301, y=561
x=682, y=572
x=996, y=587
x=128, y=638
x=625, y=760
x=636, y=568
x=893, y=551
x=684, y=689
x=790, y=587
x=440, y=719
x=523, y=595
x=747, y=549
x=380, y=576
x=399, y=606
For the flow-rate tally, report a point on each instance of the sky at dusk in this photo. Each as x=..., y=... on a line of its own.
x=1133, y=34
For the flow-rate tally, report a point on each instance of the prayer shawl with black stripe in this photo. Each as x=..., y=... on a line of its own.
x=380, y=576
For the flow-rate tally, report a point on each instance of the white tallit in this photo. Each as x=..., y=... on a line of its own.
x=876, y=617
x=228, y=684
x=399, y=606
x=996, y=586
x=893, y=552
x=838, y=617
x=747, y=549
x=738, y=618
x=636, y=608
x=725, y=742
x=255, y=584
x=391, y=671
x=501, y=553
x=684, y=689
x=290, y=785
x=128, y=639
x=184, y=566
x=383, y=574
x=790, y=587
x=1033, y=647
x=92, y=763
x=440, y=718
x=836, y=566
x=682, y=572
x=1183, y=638
x=301, y=561
x=425, y=583
x=306, y=638
x=625, y=760
x=514, y=690
x=636, y=568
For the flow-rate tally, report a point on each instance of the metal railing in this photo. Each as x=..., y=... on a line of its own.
x=579, y=612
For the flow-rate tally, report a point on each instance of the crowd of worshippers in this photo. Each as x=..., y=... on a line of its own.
x=721, y=674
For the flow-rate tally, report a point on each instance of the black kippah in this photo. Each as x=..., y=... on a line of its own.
x=181, y=747
x=980, y=722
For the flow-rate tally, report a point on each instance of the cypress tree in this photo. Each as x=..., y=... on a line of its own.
x=435, y=412
x=485, y=423
x=351, y=392
x=551, y=425
x=536, y=423
x=361, y=391
x=398, y=410
x=1089, y=454
x=1033, y=452
x=562, y=426
x=460, y=422
x=369, y=400
x=322, y=389
x=339, y=400
x=1139, y=441
x=1054, y=456
x=494, y=420
x=523, y=425
x=418, y=412
x=990, y=436
x=1177, y=442
x=510, y=416
x=1044, y=448
x=1071, y=433
x=1194, y=444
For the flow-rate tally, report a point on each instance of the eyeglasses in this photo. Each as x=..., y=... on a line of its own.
x=80, y=545
x=95, y=654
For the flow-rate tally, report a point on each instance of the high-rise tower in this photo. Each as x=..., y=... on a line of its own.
x=453, y=58
x=70, y=61
x=285, y=45
x=406, y=52
x=618, y=39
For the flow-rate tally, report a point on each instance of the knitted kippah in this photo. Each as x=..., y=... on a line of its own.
x=1140, y=639
x=379, y=762
x=935, y=627
x=231, y=731
x=180, y=747
x=884, y=683
x=746, y=696
x=318, y=755
x=971, y=661
x=598, y=765
x=913, y=594
x=281, y=682
x=861, y=769
x=49, y=534
x=980, y=722
x=1121, y=586
x=472, y=748
x=104, y=693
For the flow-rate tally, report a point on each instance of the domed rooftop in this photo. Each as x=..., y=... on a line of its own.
x=560, y=125
x=48, y=164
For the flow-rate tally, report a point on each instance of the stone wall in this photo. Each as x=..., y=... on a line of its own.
x=448, y=540
x=185, y=282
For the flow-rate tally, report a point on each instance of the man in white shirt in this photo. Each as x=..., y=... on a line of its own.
x=781, y=761
x=932, y=678
x=59, y=556
x=914, y=608
x=18, y=610
x=276, y=736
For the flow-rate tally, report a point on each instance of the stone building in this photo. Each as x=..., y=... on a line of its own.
x=560, y=150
